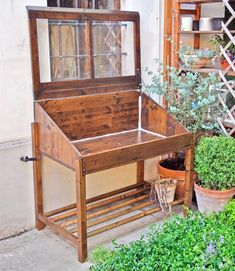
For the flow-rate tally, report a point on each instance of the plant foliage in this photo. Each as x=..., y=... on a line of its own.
x=194, y=243
x=191, y=97
x=215, y=162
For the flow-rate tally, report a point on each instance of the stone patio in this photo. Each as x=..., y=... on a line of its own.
x=45, y=251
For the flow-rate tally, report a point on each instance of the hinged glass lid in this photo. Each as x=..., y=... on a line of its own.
x=76, y=51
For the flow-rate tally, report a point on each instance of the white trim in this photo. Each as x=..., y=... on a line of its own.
x=15, y=143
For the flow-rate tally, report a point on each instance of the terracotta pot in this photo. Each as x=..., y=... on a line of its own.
x=178, y=175
x=224, y=64
x=209, y=201
x=170, y=194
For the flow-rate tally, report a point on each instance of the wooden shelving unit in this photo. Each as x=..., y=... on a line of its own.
x=173, y=10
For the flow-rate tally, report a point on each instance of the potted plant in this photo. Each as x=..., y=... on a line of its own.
x=219, y=42
x=165, y=189
x=192, y=100
x=215, y=166
x=195, y=58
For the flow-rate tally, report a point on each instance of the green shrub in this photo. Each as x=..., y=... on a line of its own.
x=197, y=242
x=215, y=162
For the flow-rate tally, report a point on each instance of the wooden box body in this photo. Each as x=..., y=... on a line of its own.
x=94, y=124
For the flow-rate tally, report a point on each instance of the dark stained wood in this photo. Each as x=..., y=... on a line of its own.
x=53, y=142
x=96, y=130
x=156, y=119
x=113, y=141
x=80, y=14
x=34, y=57
x=81, y=212
x=188, y=177
x=38, y=193
x=81, y=87
x=120, y=190
x=58, y=230
x=136, y=152
x=140, y=172
x=96, y=115
x=137, y=48
x=129, y=219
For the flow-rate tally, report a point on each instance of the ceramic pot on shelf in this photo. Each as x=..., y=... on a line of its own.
x=205, y=24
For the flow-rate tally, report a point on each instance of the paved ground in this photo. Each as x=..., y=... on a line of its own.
x=45, y=251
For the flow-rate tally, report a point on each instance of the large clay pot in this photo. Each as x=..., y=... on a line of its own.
x=209, y=201
x=178, y=175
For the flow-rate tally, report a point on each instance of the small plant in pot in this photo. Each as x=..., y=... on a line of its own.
x=215, y=166
x=192, y=100
x=219, y=42
x=165, y=189
x=195, y=58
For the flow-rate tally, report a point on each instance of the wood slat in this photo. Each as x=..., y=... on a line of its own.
x=57, y=229
x=114, y=141
x=80, y=117
x=53, y=142
x=102, y=202
x=106, y=210
x=135, y=152
x=129, y=219
x=38, y=190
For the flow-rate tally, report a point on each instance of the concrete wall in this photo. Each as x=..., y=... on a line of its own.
x=16, y=178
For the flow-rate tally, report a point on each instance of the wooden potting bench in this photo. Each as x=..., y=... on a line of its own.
x=95, y=124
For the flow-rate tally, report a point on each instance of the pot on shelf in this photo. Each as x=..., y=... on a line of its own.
x=196, y=62
x=224, y=63
x=209, y=201
x=174, y=174
x=166, y=188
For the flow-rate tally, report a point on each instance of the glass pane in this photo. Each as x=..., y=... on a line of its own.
x=69, y=68
x=84, y=67
x=52, y=3
x=113, y=48
x=56, y=69
x=63, y=50
x=68, y=40
x=54, y=40
x=107, y=66
x=67, y=3
x=104, y=4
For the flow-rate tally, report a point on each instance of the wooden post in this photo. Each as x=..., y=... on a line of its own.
x=81, y=212
x=38, y=193
x=176, y=8
x=167, y=34
x=197, y=36
x=188, y=178
x=140, y=172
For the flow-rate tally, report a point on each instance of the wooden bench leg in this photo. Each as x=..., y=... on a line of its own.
x=188, y=178
x=38, y=193
x=140, y=172
x=81, y=212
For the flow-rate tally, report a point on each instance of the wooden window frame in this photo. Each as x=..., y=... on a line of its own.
x=86, y=86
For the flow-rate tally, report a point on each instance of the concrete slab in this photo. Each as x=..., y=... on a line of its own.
x=45, y=251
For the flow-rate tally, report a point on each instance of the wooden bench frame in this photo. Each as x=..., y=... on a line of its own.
x=51, y=141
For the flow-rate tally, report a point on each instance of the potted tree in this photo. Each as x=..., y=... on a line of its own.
x=215, y=166
x=192, y=99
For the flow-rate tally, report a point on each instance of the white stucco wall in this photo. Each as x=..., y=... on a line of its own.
x=16, y=105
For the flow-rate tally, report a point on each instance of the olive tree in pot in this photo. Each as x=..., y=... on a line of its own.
x=215, y=166
x=192, y=100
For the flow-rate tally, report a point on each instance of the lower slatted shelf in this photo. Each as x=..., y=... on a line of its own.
x=107, y=213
